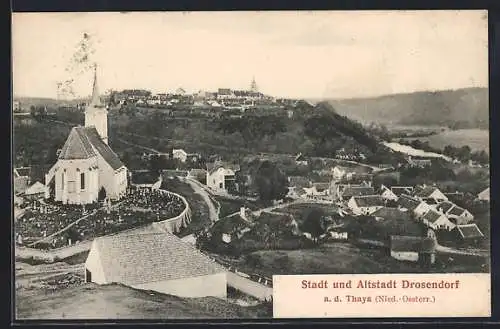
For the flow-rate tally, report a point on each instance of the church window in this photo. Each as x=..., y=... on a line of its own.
x=62, y=180
x=77, y=169
x=82, y=181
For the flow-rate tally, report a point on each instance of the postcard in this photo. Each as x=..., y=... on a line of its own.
x=251, y=165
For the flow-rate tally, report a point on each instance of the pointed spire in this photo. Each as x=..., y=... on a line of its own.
x=253, y=85
x=96, y=100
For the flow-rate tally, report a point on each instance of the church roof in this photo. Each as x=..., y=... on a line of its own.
x=84, y=143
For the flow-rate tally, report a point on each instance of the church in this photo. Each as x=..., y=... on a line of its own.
x=87, y=169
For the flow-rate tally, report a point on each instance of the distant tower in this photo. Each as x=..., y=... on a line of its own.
x=253, y=86
x=96, y=114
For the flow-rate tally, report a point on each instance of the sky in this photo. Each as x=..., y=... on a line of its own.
x=291, y=54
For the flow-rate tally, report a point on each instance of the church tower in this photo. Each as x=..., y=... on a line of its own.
x=253, y=86
x=96, y=114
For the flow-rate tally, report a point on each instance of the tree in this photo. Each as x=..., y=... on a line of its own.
x=270, y=182
x=314, y=223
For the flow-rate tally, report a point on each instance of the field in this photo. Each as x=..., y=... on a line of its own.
x=346, y=258
x=89, y=301
x=477, y=139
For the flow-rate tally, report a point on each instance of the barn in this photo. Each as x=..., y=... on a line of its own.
x=157, y=261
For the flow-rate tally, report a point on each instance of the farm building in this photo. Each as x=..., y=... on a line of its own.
x=157, y=261
x=35, y=191
x=469, y=232
x=413, y=249
x=21, y=179
x=408, y=203
x=429, y=193
x=437, y=220
x=221, y=176
x=346, y=192
x=484, y=195
x=455, y=213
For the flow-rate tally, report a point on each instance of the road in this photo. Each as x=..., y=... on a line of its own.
x=198, y=189
x=448, y=250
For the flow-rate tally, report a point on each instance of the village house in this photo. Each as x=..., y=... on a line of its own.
x=179, y=154
x=484, y=195
x=35, y=192
x=399, y=190
x=301, y=160
x=225, y=94
x=437, y=221
x=365, y=205
x=21, y=179
x=87, y=167
x=387, y=193
x=339, y=172
x=16, y=106
x=429, y=194
x=456, y=214
x=296, y=186
x=157, y=261
x=469, y=233
x=318, y=190
x=413, y=205
x=418, y=163
x=221, y=176
x=344, y=192
x=413, y=249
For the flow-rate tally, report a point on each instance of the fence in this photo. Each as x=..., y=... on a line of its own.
x=175, y=224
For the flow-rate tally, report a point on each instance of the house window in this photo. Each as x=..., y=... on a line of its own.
x=220, y=185
x=82, y=181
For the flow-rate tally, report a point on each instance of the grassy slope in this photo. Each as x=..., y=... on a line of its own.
x=442, y=107
x=119, y=302
x=344, y=258
x=475, y=138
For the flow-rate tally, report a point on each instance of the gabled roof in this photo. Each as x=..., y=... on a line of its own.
x=406, y=201
x=369, y=200
x=391, y=214
x=22, y=171
x=456, y=211
x=35, y=189
x=469, y=231
x=77, y=145
x=84, y=143
x=412, y=244
x=444, y=206
x=151, y=257
x=104, y=150
x=350, y=191
x=424, y=191
x=431, y=216
x=484, y=194
x=214, y=166
x=398, y=190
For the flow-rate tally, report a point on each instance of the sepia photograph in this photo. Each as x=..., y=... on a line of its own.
x=172, y=165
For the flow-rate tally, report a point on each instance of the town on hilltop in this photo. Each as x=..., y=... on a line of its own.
x=199, y=199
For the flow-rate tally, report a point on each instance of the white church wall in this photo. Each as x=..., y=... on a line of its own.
x=72, y=192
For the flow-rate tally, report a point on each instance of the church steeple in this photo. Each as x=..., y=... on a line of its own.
x=253, y=86
x=96, y=114
x=96, y=99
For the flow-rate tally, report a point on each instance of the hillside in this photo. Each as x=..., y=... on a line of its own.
x=461, y=108
x=90, y=301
